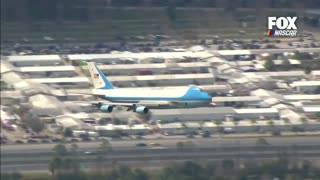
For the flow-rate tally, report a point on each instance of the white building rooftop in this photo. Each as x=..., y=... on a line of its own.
x=60, y=80
x=166, y=55
x=312, y=109
x=34, y=58
x=234, y=52
x=256, y=110
x=236, y=99
x=305, y=83
x=46, y=68
x=297, y=97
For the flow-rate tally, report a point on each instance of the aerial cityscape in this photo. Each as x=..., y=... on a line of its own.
x=168, y=90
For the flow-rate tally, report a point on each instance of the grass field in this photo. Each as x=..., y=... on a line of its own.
x=188, y=24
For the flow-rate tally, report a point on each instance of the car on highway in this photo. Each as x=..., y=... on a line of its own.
x=19, y=142
x=90, y=153
x=45, y=141
x=141, y=145
x=56, y=140
x=154, y=144
x=32, y=141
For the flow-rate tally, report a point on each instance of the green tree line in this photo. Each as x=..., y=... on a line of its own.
x=281, y=168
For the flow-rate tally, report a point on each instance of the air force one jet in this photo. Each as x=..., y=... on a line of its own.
x=139, y=101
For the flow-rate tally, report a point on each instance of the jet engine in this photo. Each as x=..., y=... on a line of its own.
x=141, y=110
x=106, y=108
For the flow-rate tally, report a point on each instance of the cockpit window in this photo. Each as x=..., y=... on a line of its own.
x=199, y=89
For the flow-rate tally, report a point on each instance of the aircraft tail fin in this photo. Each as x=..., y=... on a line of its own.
x=100, y=81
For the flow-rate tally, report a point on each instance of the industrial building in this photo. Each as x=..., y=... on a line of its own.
x=150, y=69
x=306, y=86
x=236, y=101
x=35, y=60
x=118, y=130
x=49, y=71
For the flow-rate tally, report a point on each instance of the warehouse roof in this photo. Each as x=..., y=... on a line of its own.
x=256, y=110
x=203, y=110
x=315, y=72
x=302, y=97
x=234, y=52
x=167, y=55
x=60, y=80
x=236, y=99
x=305, y=83
x=151, y=66
x=46, y=68
x=34, y=58
x=277, y=74
x=311, y=109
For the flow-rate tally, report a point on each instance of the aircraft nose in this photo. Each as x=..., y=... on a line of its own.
x=207, y=97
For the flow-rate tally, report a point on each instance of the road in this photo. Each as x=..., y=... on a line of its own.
x=199, y=142
x=150, y=158
x=36, y=157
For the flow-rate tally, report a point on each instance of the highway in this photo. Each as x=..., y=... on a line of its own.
x=166, y=142
x=37, y=156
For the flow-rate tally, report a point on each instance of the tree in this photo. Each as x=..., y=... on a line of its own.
x=286, y=64
x=304, y=120
x=253, y=121
x=262, y=142
x=180, y=146
x=55, y=165
x=271, y=123
x=286, y=120
x=74, y=150
x=68, y=132
x=228, y=165
x=105, y=147
x=307, y=69
x=306, y=168
x=60, y=150
x=11, y=176
x=140, y=175
x=171, y=12
x=269, y=65
x=36, y=125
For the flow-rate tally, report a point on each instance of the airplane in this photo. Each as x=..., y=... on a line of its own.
x=140, y=101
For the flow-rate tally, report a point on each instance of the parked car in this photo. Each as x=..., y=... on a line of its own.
x=32, y=141
x=154, y=144
x=141, y=144
x=19, y=142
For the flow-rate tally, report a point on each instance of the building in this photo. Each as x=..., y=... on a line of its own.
x=116, y=130
x=35, y=60
x=74, y=82
x=306, y=86
x=67, y=122
x=257, y=113
x=194, y=114
x=46, y=105
x=117, y=57
x=312, y=112
x=150, y=69
x=232, y=54
x=302, y=97
x=315, y=74
x=49, y=71
x=237, y=101
x=172, y=129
